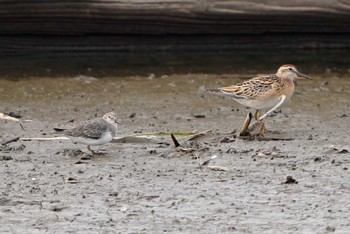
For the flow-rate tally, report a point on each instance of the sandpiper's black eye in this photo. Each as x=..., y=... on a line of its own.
x=290, y=69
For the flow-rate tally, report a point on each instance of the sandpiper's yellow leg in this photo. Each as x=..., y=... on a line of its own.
x=258, y=127
x=257, y=114
x=244, y=130
x=262, y=130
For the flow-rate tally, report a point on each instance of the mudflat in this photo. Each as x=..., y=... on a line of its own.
x=146, y=185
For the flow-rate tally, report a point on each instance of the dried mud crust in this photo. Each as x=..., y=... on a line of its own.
x=252, y=186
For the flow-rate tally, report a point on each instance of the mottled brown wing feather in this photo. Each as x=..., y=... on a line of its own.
x=252, y=88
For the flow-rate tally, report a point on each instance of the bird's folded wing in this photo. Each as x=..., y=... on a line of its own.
x=250, y=89
x=237, y=92
x=91, y=129
x=95, y=129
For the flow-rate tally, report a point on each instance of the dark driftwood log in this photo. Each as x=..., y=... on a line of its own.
x=240, y=20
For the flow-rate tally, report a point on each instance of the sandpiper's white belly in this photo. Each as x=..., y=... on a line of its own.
x=104, y=139
x=261, y=104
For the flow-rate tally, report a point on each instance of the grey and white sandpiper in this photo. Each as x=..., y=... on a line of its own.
x=97, y=131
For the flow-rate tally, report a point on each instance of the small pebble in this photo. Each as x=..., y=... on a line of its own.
x=290, y=180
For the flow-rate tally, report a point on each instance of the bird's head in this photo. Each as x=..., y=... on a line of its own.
x=111, y=118
x=289, y=71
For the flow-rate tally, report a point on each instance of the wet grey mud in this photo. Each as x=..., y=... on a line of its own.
x=146, y=185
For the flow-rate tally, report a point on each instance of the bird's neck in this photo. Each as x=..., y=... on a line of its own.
x=288, y=80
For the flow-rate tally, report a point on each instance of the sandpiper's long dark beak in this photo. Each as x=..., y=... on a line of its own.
x=299, y=74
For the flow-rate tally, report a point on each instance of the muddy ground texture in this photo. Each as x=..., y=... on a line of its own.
x=149, y=186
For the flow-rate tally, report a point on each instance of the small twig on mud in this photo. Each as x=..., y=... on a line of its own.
x=176, y=143
x=218, y=168
x=186, y=150
x=44, y=139
x=21, y=126
x=72, y=180
x=339, y=149
x=11, y=140
x=206, y=163
x=195, y=136
x=214, y=168
x=59, y=129
x=251, y=138
x=7, y=117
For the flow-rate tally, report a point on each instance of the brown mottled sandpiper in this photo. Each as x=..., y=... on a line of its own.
x=263, y=92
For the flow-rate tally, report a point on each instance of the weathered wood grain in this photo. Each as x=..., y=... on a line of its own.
x=117, y=18
x=180, y=17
